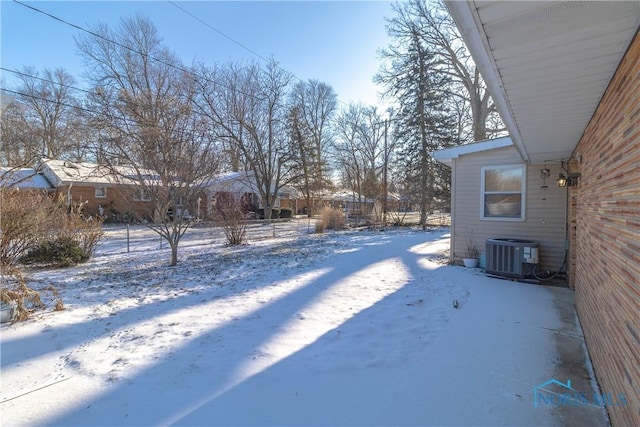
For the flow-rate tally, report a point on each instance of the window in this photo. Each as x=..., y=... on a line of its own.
x=503, y=193
x=141, y=196
x=101, y=192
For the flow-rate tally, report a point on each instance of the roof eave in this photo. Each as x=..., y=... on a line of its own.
x=447, y=155
x=468, y=22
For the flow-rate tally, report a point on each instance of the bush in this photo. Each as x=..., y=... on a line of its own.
x=23, y=218
x=230, y=214
x=330, y=218
x=286, y=213
x=29, y=220
x=60, y=252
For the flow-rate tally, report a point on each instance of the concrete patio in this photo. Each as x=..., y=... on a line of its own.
x=531, y=323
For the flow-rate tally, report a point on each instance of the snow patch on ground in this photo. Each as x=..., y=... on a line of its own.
x=349, y=328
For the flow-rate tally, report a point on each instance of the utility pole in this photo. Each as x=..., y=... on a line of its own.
x=385, y=183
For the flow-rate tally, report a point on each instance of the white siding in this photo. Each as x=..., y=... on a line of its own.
x=545, y=209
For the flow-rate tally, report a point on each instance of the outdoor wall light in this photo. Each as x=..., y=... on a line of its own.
x=562, y=180
x=545, y=173
x=570, y=180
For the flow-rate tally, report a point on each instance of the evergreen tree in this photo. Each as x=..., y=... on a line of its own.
x=423, y=122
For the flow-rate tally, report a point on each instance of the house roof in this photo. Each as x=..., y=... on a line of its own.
x=447, y=155
x=62, y=172
x=546, y=64
x=26, y=178
x=240, y=182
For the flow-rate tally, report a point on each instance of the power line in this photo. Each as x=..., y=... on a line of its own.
x=202, y=21
x=35, y=9
x=190, y=73
x=52, y=101
x=109, y=115
x=20, y=73
x=63, y=85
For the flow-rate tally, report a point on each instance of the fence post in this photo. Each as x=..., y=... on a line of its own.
x=127, y=237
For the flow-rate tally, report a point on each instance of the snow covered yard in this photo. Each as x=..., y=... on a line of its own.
x=350, y=328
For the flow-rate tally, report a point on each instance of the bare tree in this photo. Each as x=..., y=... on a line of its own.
x=346, y=148
x=150, y=137
x=19, y=146
x=431, y=22
x=248, y=105
x=313, y=105
x=360, y=151
x=44, y=119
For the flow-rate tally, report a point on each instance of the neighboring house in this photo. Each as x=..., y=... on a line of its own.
x=565, y=77
x=243, y=186
x=350, y=203
x=24, y=179
x=495, y=194
x=355, y=205
x=96, y=189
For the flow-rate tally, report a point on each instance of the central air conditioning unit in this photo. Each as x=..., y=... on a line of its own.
x=510, y=257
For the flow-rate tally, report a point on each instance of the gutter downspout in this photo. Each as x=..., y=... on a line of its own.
x=69, y=194
x=452, y=244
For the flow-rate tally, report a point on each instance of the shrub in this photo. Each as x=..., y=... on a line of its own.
x=23, y=218
x=60, y=252
x=230, y=214
x=28, y=220
x=286, y=213
x=330, y=218
x=397, y=218
x=86, y=233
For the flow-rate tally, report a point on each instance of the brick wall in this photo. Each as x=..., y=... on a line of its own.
x=116, y=202
x=605, y=263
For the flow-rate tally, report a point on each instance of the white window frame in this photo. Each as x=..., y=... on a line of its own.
x=522, y=192
x=139, y=195
x=97, y=192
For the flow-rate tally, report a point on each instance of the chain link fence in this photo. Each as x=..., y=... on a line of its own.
x=122, y=238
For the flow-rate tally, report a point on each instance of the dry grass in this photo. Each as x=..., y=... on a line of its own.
x=331, y=219
x=14, y=291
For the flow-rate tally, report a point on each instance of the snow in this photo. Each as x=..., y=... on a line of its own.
x=349, y=328
x=26, y=178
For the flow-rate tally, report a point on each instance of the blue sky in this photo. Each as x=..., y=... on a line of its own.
x=333, y=41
